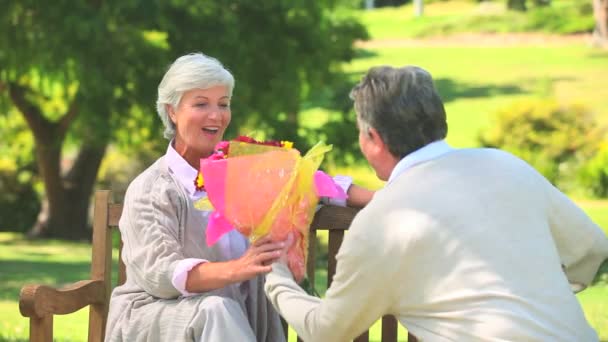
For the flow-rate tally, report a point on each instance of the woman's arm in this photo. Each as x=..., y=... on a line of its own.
x=257, y=259
x=358, y=196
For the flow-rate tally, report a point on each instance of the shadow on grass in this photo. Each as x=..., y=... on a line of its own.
x=451, y=90
x=11, y=339
x=364, y=53
x=16, y=273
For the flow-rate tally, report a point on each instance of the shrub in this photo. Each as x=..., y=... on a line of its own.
x=556, y=140
x=19, y=202
x=593, y=176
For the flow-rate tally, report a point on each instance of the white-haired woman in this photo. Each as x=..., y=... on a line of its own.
x=178, y=288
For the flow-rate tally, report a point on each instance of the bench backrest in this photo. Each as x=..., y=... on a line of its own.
x=335, y=220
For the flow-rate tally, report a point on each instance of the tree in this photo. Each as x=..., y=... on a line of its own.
x=83, y=72
x=600, y=11
x=517, y=5
x=418, y=7
x=71, y=69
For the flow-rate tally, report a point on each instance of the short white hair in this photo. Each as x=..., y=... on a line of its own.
x=191, y=71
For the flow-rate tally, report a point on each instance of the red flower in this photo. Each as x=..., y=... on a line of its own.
x=244, y=138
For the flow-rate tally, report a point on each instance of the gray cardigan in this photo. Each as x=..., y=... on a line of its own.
x=159, y=227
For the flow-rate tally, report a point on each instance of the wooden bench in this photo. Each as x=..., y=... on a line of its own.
x=40, y=302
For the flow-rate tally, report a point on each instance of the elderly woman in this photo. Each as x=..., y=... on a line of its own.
x=177, y=287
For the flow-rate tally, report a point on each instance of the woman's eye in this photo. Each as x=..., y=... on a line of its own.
x=225, y=105
x=200, y=104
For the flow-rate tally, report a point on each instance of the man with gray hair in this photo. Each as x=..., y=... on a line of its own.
x=460, y=244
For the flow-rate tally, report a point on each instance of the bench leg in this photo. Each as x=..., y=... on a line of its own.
x=41, y=329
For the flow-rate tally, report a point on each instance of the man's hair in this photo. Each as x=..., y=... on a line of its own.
x=403, y=105
x=191, y=71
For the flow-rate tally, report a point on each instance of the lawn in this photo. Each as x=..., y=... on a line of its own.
x=476, y=81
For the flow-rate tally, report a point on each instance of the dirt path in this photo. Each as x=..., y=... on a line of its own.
x=489, y=40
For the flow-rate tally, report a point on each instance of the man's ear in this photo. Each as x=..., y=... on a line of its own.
x=377, y=144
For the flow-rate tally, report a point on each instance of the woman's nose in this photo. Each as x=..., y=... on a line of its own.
x=215, y=112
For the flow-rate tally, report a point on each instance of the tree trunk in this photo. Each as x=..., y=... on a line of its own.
x=517, y=5
x=418, y=8
x=64, y=209
x=600, y=34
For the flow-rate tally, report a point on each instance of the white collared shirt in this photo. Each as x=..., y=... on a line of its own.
x=431, y=151
x=232, y=244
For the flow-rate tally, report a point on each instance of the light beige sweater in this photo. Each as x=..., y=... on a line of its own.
x=466, y=247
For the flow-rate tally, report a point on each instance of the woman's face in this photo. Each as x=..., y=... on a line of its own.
x=200, y=120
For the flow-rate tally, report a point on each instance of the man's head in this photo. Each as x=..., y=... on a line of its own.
x=398, y=111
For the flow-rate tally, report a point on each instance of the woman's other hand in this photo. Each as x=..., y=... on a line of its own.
x=358, y=196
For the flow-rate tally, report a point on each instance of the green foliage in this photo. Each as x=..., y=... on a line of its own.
x=119, y=168
x=593, y=176
x=553, y=138
x=103, y=62
x=562, y=18
x=109, y=57
x=19, y=201
x=516, y=5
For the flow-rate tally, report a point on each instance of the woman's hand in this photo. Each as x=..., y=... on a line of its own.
x=257, y=259
x=359, y=196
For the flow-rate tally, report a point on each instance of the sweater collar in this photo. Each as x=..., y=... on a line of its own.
x=421, y=155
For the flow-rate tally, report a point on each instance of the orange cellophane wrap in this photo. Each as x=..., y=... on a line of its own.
x=270, y=190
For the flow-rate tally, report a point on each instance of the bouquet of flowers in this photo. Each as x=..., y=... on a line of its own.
x=262, y=188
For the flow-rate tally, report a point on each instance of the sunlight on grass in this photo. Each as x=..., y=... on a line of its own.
x=458, y=16
x=399, y=22
x=594, y=301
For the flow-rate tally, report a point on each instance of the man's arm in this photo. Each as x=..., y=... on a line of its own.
x=359, y=295
x=581, y=244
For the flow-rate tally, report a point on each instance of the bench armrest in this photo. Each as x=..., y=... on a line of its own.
x=36, y=301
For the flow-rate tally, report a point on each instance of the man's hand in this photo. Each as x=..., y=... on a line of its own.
x=287, y=243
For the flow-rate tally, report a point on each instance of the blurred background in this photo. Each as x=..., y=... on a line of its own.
x=78, y=84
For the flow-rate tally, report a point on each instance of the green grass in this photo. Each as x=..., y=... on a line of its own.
x=458, y=16
x=475, y=82
x=49, y=262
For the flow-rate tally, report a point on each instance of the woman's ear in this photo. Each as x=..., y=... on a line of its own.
x=172, y=116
